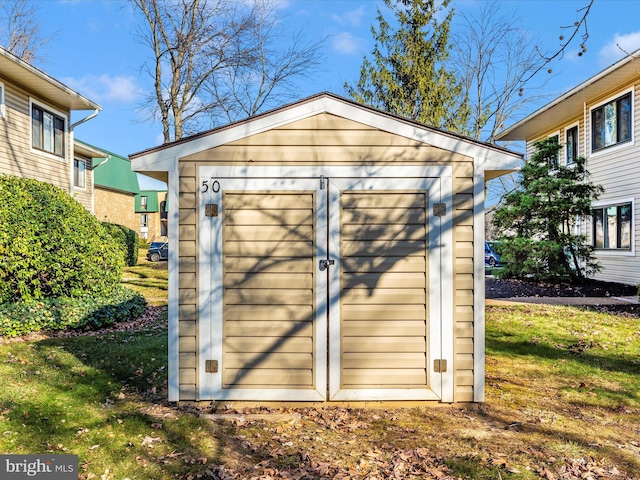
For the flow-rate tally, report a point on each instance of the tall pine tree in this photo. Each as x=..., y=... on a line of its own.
x=407, y=75
x=537, y=219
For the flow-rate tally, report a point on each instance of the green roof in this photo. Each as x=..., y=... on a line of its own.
x=114, y=172
x=153, y=200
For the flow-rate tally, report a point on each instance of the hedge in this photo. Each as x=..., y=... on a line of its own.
x=51, y=246
x=128, y=239
x=88, y=311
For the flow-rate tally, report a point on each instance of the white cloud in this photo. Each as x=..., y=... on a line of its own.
x=616, y=48
x=100, y=88
x=354, y=17
x=347, y=44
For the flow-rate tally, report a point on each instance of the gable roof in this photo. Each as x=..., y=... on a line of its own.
x=31, y=78
x=163, y=158
x=572, y=103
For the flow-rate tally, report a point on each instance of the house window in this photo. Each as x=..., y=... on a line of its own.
x=553, y=161
x=612, y=227
x=47, y=131
x=144, y=201
x=79, y=175
x=611, y=123
x=144, y=220
x=571, y=144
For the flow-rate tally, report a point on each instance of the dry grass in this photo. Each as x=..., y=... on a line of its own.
x=562, y=402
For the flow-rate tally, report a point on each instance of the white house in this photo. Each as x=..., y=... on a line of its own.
x=599, y=120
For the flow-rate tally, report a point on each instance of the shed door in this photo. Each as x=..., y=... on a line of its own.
x=386, y=326
x=321, y=288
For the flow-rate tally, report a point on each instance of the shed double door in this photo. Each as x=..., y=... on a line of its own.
x=320, y=288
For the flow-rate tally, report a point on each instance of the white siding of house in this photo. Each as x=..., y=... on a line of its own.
x=617, y=169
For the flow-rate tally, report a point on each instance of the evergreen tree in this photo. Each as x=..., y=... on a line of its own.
x=536, y=220
x=408, y=76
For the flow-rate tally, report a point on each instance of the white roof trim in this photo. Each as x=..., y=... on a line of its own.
x=511, y=132
x=487, y=158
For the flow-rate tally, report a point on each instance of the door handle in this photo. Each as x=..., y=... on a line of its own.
x=324, y=264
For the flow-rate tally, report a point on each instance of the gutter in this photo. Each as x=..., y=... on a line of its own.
x=72, y=149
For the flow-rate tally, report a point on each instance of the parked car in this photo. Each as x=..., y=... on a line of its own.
x=491, y=256
x=158, y=251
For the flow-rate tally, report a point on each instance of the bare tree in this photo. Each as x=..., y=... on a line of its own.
x=246, y=88
x=494, y=56
x=21, y=32
x=215, y=59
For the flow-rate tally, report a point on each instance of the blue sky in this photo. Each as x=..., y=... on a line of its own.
x=94, y=51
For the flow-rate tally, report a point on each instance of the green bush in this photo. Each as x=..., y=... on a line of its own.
x=128, y=239
x=50, y=246
x=89, y=311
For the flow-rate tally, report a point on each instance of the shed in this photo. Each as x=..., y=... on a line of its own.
x=326, y=252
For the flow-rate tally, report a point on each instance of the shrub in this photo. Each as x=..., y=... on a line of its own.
x=50, y=246
x=89, y=311
x=128, y=240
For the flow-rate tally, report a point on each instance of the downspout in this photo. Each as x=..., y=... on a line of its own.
x=72, y=148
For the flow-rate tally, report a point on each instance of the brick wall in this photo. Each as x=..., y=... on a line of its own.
x=116, y=207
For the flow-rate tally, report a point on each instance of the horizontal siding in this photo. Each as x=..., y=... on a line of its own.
x=268, y=290
x=187, y=294
x=16, y=156
x=326, y=139
x=390, y=349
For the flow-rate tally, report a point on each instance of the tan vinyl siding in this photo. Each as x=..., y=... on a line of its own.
x=187, y=304
x=382, y=233
x=269, y=251
x=327, y=139
x=16, y=156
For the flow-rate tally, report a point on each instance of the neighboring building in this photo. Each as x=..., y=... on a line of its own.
x=151, y=211
x=326, y=251
x=600, y=120
x=115, y=187
x=36, y=133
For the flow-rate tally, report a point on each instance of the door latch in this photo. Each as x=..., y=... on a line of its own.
x=324, y=264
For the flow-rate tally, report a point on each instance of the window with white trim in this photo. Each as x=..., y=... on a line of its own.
x=144, y=220
x=571, y=144
x=79, y=173
x=612, y=227
x=47, y=130
x=554, y=161
x=611, y=123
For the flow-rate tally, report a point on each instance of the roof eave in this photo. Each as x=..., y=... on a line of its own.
x=31, y=78
x=572, y=103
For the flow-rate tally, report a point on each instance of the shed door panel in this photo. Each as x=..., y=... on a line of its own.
x=268, y=289
x=383, y=249
x=385, y=320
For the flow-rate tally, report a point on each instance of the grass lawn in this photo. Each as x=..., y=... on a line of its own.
x=562, y=402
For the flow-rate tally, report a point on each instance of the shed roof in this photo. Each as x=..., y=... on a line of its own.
x=163, y=158
x=572, y=102
x=37, y=81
